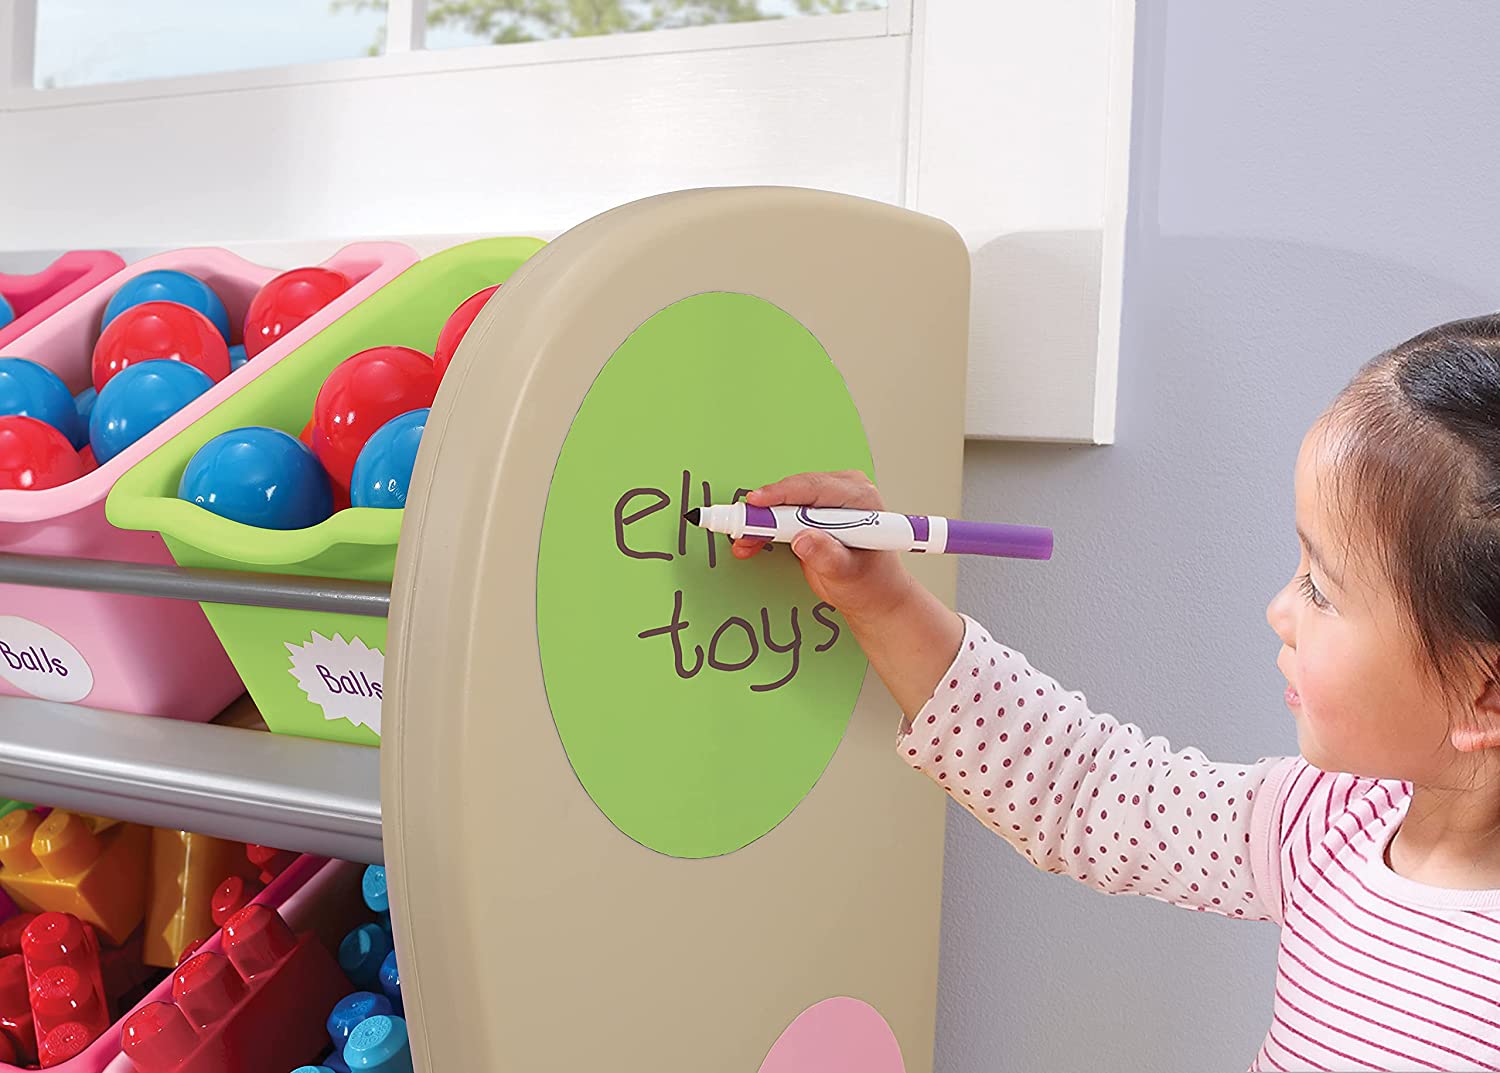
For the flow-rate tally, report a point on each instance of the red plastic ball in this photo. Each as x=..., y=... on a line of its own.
x=458, y=324
x=363, y=393
x=287, y=301
x=34, y=455
x=160, y=330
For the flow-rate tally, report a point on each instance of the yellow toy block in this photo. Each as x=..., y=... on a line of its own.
x=67, y=864
x=186, y=868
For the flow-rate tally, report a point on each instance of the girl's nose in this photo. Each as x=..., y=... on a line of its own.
x=1280, y=615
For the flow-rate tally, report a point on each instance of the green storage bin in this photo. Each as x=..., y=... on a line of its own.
x=313, y=674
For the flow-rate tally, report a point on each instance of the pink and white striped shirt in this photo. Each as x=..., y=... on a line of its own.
x=1375, y=972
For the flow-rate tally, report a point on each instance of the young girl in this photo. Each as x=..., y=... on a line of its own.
x=1377, y=850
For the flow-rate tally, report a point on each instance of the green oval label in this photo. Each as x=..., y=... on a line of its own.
x=699, y=697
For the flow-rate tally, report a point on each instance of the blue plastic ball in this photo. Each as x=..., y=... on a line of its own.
x=237, y=356
x=84, y=401
x=169, y=285
x=382, y=472
x=7, y=314
x=261, y=477
x=33, y=390
x=137, y=399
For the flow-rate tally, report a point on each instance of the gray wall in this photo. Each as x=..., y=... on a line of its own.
x=1311, y=183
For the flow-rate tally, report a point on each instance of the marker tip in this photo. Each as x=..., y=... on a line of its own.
x=692, y=516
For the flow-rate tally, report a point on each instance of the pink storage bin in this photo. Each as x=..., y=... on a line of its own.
x=130, y=653
x=303, y=895
x=35, y=298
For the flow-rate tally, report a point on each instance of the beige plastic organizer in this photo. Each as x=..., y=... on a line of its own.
x=536, y=928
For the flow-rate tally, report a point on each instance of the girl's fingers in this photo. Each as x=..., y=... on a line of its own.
x=745, y=547
x=850, y=488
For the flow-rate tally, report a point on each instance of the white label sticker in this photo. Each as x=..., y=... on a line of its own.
x=341, y=677
x=38, y=661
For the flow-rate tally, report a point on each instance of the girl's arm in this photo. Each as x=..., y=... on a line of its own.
x=1080, y=794
x=1075, y=791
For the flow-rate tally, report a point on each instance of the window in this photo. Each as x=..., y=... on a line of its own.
x=86, y=42
x=461, y=23
x=94, y=42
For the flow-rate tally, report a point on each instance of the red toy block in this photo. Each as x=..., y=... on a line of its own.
x=271, y=862
x=230, y=897
x=262, y=1007
x=15, y=1009
x=66, y=984
x=11, y=932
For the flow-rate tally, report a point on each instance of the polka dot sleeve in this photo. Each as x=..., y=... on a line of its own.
x=1081, y=794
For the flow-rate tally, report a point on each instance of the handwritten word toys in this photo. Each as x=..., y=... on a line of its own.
x=187, y=872
x=258, y=476
x=168, y=285
x=739, y=642
x=28, y=389
x=457, y=326
x=34, y=455
x=68, y=1001
x=288, y=300
x=66, y=863
x=258, y=1007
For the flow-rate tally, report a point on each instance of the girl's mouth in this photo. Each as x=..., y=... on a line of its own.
x=1293, y=699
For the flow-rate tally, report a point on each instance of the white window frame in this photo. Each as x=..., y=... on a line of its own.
x=405, y=53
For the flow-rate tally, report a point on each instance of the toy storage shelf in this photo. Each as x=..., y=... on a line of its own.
x=229, y=781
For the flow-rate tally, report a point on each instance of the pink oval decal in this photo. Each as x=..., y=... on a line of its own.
x=838, y=1035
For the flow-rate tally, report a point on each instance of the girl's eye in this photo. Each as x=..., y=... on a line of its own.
x=1310, y=591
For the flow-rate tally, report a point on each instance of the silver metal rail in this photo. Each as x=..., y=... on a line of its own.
x=210, y=586
x=291, y=793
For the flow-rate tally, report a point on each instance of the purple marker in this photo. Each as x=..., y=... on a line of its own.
x=877, y=530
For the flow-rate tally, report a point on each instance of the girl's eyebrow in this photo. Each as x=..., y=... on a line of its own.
x=1312, y=553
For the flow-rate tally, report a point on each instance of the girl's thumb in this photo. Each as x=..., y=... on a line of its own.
x=823, y=553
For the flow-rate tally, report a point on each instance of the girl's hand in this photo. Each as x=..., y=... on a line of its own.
x=867, y=586
x=908, y=634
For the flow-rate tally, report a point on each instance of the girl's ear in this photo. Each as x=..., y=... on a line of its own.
x=1479, y=727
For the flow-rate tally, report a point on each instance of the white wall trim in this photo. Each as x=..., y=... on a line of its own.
x=17, y=43
x=1116, y=209
x=405, y=25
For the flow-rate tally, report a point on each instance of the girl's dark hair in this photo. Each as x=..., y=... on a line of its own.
x=1418, y=481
